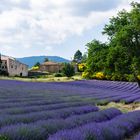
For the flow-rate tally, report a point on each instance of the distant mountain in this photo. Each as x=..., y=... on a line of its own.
x=30, y=61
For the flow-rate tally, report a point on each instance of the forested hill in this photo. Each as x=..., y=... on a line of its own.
x=30, y=61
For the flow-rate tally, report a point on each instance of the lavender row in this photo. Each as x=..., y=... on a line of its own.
x=30, y=103
x=34, y=116
x=40, y=130
x=36, y=108
x=108, y=90
x=115, y=129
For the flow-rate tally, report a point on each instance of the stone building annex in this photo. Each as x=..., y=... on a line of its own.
x=13, y=67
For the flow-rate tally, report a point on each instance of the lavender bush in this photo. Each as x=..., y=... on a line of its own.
x=53, y=125
x=36, y=111
x=115, y=129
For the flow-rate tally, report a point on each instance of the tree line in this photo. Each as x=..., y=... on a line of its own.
x=119, y=57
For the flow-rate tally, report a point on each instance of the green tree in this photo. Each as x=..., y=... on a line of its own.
x=124, y=32
x=118, y=61
x=37, y=64
x=121, y=55
x=46, y=59
x=77, y=56
x=0, y=64
x=68, y=70
x=97, y=53
x=84, y=58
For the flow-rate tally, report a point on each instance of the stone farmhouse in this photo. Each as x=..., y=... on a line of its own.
x=13, y=67
x=51, y=67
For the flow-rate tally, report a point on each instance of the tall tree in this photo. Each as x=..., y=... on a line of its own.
x=124, y=32
x=0, y=63
x=37, y=64
x=68, y=70
x=46, y=59
x=84, y=58
x=97, y=53
x=77, y=56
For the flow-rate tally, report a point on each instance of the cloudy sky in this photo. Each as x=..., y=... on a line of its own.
x=53, y=27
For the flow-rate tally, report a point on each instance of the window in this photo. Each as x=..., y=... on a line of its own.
x=11, y=66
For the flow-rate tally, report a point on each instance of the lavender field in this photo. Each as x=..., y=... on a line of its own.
x=67, y=110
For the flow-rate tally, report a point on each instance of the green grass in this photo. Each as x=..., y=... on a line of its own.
x=121, y=106
x=48, y=78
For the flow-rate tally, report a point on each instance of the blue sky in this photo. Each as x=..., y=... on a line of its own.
x=51, y=27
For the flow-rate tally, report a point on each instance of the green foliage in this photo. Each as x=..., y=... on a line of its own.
x=117, y=77
x=3, y=137
x=130, y=78
x=0, y=60
x=97, y=54
x=77, y=56
x=86, y=75
x=124, y=33
x=84, y=58
x=37, y=64
x=46, y=59
x=102, y=102
x=68, y=70
x=119, y=59
x=58, y=75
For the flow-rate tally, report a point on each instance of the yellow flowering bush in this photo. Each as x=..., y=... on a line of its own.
x=81, y=67
x=100, y=75
x=35, y=68
x=138, y=77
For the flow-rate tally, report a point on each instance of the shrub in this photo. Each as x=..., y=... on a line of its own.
x=58, y=75
x=35, y=68
x=68, y=70
x=99, y=75
x=86, y=75
x=81, y=67
x=138, y=77
x=3, y=137
x=130, y=77
x=108, y=77
x=118, y=77
x=4, y=73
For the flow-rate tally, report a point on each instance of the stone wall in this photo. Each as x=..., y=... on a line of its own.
x=13, y=67
x=16, y=68
x=51, y=68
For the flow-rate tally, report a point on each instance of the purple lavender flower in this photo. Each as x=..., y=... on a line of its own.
x=117, y=128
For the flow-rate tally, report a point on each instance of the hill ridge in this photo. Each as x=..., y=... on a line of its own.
x=31, y=60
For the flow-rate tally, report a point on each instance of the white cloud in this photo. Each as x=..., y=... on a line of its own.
x=41, y=23
x=48, y=48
